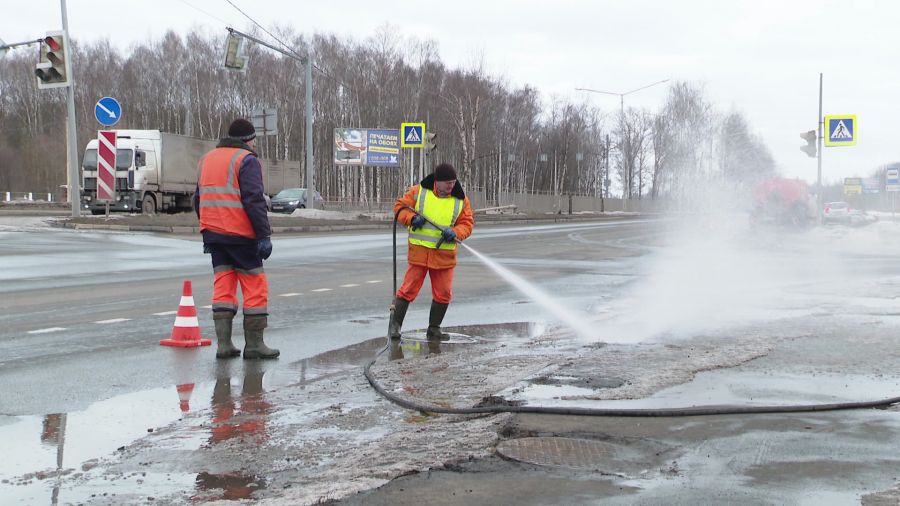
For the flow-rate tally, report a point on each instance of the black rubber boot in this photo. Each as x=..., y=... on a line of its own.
x=224, y=347
x=435, y=318
x=397, y=316
x=254, y=346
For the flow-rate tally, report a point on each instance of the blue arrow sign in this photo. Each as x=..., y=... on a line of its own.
x=108, y=111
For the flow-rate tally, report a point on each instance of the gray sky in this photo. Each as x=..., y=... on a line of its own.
x=761, y=57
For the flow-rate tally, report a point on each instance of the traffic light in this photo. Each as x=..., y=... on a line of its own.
x=430, y=144
x=810, y=138
x=235, y=52
x=52, y=70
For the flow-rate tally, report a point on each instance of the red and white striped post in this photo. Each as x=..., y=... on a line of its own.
x=106, y=167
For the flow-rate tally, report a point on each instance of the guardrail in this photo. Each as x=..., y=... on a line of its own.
x=26, y=196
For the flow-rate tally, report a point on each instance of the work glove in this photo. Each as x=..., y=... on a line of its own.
x=206, y=250
x=448, y=235
x=264, y=248
x=418, y=221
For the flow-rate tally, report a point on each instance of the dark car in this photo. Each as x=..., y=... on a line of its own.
x=289, y=199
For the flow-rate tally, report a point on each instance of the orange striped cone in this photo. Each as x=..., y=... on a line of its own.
x=186, y=332
x=184, y=396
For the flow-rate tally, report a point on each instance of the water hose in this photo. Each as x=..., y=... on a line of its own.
x=621, y=412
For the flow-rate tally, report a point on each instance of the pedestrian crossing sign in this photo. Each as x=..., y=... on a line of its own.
x=840, y=130
x=412, y=135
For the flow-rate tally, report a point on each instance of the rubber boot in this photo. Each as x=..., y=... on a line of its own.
x=397, y=316
x=254, y=346
x=224, y=347
x=435, y=318
x=396, y=350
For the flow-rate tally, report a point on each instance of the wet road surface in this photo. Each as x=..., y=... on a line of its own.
x=308, y=428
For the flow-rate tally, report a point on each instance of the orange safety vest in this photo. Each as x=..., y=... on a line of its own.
x=221, y=209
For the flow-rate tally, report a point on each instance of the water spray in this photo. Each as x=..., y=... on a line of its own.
x=522, y=285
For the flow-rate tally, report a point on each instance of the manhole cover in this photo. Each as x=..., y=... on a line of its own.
x=556, y=451
x=454, y=337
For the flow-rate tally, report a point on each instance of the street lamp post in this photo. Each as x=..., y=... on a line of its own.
x=621, y=111
x=622, y=95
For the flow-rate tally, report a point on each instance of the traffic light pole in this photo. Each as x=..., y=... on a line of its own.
x=820, y=121
x=73, y=185
x=307, y=62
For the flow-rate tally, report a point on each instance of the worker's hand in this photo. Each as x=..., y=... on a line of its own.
x=264, y=248
x=449, y=235
x=418, y=221
x=206, y=250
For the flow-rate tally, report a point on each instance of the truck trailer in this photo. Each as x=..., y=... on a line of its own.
x=157, y=171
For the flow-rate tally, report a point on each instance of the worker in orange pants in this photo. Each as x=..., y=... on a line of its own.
x=432, y=244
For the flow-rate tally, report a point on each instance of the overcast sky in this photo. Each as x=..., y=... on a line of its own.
x=762, y=58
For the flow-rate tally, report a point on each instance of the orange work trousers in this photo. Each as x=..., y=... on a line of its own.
x=441, y=283
x=235, y=264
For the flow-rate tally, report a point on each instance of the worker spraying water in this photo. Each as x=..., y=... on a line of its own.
x=438, y=215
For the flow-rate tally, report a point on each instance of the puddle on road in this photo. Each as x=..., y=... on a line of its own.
x=53, y=455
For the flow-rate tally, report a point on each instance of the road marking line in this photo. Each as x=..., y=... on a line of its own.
x=165, y=313
x=349, y=285
x=114, y=320
x=322, y=290
x=292, y=294
x=44, y=331
x=207, y=307
x=374, y=281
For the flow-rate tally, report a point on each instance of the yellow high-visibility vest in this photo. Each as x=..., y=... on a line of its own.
x=442, y=211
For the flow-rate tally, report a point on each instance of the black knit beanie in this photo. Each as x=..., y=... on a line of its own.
x=241, y=129
x=444, y=172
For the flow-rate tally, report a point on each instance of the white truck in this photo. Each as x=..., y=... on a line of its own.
x=157, y=171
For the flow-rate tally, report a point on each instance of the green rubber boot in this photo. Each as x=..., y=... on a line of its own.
x=224, y=347
x=254, y=346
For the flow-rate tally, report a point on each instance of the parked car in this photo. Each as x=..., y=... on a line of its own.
x=290, y=199
x=837, y=212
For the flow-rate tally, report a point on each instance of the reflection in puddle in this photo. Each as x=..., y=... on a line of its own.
x=241, y=416
x=244, y=415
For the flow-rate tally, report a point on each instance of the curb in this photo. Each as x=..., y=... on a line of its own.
x=325, y=228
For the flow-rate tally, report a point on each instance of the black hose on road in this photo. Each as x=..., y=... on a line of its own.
x=634, y=412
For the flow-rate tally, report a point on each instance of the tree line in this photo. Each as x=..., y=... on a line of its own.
x=501, y=138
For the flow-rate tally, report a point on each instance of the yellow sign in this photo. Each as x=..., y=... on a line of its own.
x=412, y=135
x=853, y=185
x=840, y=130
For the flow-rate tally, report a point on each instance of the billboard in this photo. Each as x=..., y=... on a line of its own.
x=376, y=147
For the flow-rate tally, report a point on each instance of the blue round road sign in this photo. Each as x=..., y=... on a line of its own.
x=108, y=111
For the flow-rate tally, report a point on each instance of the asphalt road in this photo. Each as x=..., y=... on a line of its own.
x=81, y=313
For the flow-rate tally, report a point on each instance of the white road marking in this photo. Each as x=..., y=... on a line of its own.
x=165, y=313
x=44, y=331
x=207, y=307
x=292, y=294
x=322, y=290
x=114, y=320
x=349, y=285
x=374, y=281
